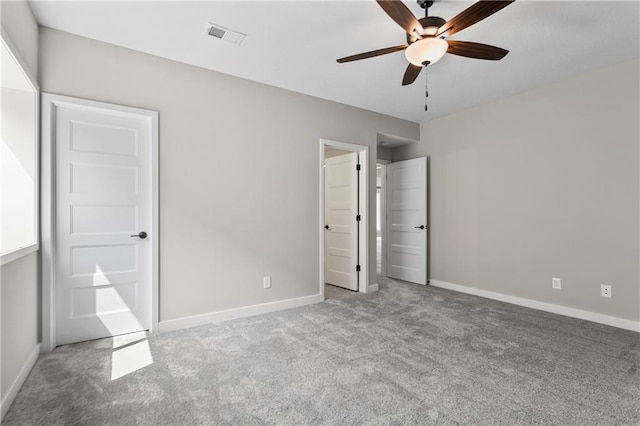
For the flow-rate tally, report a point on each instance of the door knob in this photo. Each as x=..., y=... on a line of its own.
x=326, y=227
x=419, y=227
x=142, y=235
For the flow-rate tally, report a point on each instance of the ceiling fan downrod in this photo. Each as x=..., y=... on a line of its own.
x=425, y=4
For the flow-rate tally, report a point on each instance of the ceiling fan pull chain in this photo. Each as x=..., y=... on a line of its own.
x=426, y=84
x=426, y=90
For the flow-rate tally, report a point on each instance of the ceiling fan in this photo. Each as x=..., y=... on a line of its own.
x=426, y=42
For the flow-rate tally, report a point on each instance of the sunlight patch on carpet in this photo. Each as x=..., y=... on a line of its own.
x=130, y=358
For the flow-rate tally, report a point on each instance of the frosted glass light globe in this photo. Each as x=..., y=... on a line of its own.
x=428, y=49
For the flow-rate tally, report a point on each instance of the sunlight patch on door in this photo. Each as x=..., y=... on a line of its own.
x=115, y=304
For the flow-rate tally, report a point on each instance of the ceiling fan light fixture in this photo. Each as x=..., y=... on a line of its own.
x=430, y=31
x=429, y=49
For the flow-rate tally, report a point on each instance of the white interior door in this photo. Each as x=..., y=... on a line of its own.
x=103, y=190
x=407, y=220
x=341, y=227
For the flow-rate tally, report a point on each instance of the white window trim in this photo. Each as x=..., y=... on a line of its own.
x=35, y=246
x=18, y=253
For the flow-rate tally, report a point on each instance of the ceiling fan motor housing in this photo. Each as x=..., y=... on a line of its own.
x=430, y=25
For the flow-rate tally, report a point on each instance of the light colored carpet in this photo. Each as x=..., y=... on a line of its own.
x=404, y=355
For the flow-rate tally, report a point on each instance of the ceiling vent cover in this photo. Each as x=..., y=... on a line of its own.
x=218, y=31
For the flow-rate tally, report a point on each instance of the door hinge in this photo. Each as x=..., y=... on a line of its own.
x=358, y=167
x=357, y=268
x=358, y=218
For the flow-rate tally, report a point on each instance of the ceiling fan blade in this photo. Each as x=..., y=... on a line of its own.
x=402, y=15
x=372, y=54
x=411, y=74
x=476, y=50
x=471, y=15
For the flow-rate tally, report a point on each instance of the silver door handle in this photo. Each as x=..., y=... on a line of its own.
x=142, y=235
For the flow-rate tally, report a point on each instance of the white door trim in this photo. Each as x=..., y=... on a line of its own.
x=49, y=103
x=363, y=246
x=383, y=213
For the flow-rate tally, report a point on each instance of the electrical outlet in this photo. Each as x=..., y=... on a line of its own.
x=605, y=290
x=266, y=282
x=556, y=283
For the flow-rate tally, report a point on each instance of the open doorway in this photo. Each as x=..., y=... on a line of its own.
x=343, y=219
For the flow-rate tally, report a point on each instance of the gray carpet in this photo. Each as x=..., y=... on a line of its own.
x=405, y=355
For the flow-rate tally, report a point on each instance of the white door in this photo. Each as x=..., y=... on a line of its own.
x=407, y=220
x=103, y=202
x=341, y=226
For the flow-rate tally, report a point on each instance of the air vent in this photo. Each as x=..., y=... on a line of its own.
x=225, y=34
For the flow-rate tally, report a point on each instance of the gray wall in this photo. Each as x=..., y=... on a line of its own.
x=384, y=153
x=19, y=279
x=22, y=28
x=19, y=316
x=543, y=184
x=233, y=208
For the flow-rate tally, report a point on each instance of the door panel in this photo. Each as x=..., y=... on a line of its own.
x=103, y=197
x=103, y=219
x=407, y=210
x=341, y=207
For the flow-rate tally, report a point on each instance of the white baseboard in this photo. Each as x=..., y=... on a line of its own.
x=19, y=381
x=247, y=311
x=543, y=306
x=372, y=288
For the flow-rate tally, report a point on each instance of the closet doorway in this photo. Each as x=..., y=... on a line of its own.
x=343, y=217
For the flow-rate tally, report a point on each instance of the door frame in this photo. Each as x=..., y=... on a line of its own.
x=363, y=244
x=50, y=102
x=383, y=213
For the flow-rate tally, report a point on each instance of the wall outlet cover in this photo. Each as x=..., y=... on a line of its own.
x=556, y=283
x=605, y=290
x=266, y=282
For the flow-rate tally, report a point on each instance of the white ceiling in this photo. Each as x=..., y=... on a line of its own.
x=294, y=45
